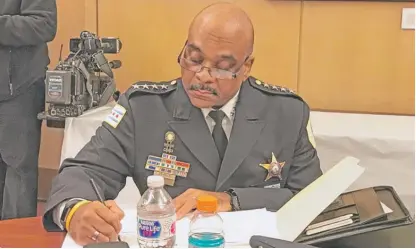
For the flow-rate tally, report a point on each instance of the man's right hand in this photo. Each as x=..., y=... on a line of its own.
x=95, y=217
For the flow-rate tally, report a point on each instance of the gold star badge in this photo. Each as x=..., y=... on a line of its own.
x=274, y=168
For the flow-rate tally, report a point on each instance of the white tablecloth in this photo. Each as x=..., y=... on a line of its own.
x=383, y=143
x=79, y=130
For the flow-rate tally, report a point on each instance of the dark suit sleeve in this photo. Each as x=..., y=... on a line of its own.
x=304, y=170
x=36, y=24
x=108, y=159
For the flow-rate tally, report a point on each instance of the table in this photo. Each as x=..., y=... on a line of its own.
x=29, y=232
x=384, y=144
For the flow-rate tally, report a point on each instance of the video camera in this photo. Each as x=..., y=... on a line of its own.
x=83, y=81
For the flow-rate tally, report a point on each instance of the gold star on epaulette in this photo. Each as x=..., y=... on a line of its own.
x=273, y=87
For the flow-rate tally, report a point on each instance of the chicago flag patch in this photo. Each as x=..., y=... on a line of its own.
x=115, y=116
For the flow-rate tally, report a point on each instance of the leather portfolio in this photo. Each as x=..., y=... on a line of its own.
x=266, y=242
x=357, y=212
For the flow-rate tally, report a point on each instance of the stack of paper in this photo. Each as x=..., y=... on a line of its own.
x=238, y=228
x=303, y=208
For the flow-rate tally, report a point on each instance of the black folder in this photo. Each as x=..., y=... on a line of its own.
x=365, y=211
x=266, y=242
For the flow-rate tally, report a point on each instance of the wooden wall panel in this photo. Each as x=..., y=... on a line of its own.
x=355, y=57
x=153, y=33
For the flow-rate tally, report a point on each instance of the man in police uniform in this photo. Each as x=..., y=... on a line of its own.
x=215, y=130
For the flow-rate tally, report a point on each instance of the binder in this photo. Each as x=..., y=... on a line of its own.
x=266, y=242
x=357, y=212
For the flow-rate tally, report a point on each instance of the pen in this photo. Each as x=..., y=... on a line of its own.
x=100, y=198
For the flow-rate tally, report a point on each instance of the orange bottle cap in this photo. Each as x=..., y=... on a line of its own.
x=207, y=203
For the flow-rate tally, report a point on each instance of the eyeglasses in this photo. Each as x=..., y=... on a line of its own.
x=197, y=67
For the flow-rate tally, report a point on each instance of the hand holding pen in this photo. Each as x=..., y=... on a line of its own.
x=112, y=207
x=95, y=222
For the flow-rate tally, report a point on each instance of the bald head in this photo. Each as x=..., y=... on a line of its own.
x=225, y=22
x=220, y=39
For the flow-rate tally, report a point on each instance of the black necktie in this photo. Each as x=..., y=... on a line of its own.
x=218, y=133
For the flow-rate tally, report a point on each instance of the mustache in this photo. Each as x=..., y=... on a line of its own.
x=203, y=87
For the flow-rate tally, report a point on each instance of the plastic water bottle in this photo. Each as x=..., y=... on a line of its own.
x=156, y=216
x=206, y=227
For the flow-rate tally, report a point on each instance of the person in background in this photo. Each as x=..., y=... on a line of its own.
x=26, y=26
x=215, y=130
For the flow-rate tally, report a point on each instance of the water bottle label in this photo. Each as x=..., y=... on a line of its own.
x=157, y=229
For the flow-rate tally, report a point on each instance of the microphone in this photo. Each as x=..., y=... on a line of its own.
x=103, y=64
x=115, y=64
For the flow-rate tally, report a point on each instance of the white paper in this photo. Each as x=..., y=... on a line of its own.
x=287, y=223
x=408, y=18
x=69, y=243
x=386, y=209
x=128, y=229
x=237, y=233
x=239, y=227
x=303, y=208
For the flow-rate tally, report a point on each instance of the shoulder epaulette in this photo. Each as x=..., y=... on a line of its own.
x=151, y=87
x=273, y=89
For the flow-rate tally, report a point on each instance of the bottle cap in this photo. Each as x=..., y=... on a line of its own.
x=207, y=203
x=155, y=181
